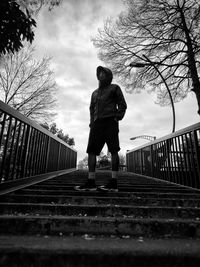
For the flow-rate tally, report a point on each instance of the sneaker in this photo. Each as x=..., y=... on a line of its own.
x=90, y=185
x=111, y=186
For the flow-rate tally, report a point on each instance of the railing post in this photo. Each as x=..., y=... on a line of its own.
x=59, y=148
x=197, y=152
x=25, y=151
x=168, y=159
x=8, y=171
x=47, y=155
x=5, y=148
x=151, y=160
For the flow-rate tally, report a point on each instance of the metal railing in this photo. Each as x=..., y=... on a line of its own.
x=174, y=158
x=27, y=149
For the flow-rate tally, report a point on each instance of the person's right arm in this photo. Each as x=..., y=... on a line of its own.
x=91, y=112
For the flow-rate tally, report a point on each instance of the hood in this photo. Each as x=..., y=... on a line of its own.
x=109, y=75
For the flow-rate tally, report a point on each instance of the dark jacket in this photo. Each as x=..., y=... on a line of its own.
x=108, y=100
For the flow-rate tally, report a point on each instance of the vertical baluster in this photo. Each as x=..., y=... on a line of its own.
x=168, y=148
x=35, y=152
x=187, y=148
x=165, y=160
x=20, y=154
x=38, y=152
x=3, y=173
x=16, y=150
x=157, y=161
x=197, y=156
x=192, y=159
x=173, y=154
x=25, y=151
x=9, y=167
x=48, y=152
x=183, y=138
x=29, y=153
x=58, y=157
x=181, y=162
x=151, y=160
x=2, y=129
x=41, y=154
x=33, y=147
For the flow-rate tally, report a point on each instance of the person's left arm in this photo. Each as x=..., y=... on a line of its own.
x=121, y=103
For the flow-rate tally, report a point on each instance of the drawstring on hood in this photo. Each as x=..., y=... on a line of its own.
x=109, y=76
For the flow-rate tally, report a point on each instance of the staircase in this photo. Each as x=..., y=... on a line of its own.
x=147, y=223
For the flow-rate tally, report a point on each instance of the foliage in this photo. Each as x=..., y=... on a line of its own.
x=58, y=132
x=122, y=159
x=83, y=164
x=167, y=33
x=34, y=6
x=16, y=22
x=15, y=26
x=102, y=159
x=28, y=85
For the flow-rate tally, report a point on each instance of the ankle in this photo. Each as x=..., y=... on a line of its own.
x=91, y=175
x=114, y=174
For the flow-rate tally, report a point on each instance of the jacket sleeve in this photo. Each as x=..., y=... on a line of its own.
x=91, y=111
x=121, y=104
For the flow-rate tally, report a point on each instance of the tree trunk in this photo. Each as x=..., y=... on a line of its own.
x=191, y=61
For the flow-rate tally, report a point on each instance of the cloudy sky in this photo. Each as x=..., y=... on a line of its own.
x=65, y=35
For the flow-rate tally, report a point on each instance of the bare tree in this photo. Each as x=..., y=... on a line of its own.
x=34, y=6
x=163, y=32
x=28, y=85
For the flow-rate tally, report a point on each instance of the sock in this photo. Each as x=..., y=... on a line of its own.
x=91, y=175
x=114, y=174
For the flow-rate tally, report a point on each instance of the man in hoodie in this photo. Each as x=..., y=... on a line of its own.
x=107, y=107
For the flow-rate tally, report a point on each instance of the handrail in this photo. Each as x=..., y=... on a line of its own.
x=15, y=114
x=193, y=127
x=174, y=157
x=28, y=149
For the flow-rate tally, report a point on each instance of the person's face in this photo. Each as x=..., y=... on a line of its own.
x=102, y=76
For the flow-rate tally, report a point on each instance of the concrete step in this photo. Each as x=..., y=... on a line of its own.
x=120, y=182
x=122, y=188
x=100, y=210
x=81, y=176
x=40, y=251
x=100, y=200
x=71, y=192
x=78, y=225
x=147, y=223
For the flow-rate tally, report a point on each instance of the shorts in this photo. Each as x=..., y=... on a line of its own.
x=104, y=131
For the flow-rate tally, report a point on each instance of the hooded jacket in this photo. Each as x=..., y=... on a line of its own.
x=107, y=100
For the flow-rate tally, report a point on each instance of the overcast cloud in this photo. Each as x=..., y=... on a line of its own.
x=65, y=35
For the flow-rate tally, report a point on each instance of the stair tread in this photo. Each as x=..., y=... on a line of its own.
x=120, y=193
x=98, y=218
x=98, y=206
x=101, y=244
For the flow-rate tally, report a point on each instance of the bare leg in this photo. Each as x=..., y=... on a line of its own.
x=115, y=162
x=91, y=165
x=112, y=183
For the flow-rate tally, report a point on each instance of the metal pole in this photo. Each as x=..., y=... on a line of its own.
x=171, y=100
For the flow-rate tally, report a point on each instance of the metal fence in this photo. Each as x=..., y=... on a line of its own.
x=174, y=158
x=27, y=149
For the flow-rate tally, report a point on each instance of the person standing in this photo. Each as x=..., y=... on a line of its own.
x=107, y=108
